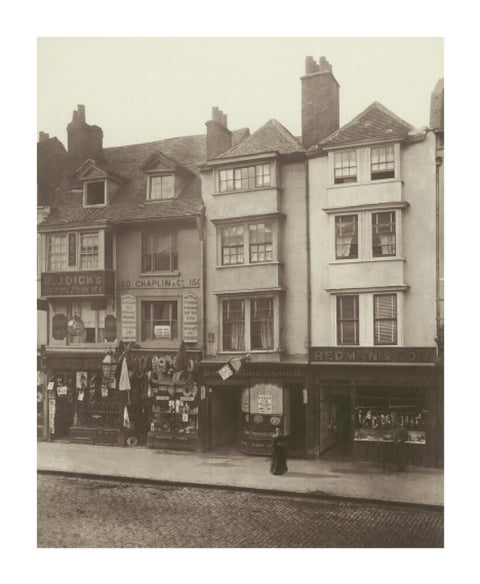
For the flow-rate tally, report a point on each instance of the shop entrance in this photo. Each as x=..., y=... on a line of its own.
x=224, y=412
x=296, y=431
x=335, y=422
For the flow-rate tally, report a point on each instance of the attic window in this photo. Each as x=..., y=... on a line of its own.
x=382, y=163
x=94, y=193
x=161, y=187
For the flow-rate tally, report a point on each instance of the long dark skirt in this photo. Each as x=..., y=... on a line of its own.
x=279, y=459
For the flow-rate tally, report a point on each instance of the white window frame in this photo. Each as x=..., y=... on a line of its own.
x=85, y=193
x=273, y=222
x=235, y=180
x=160, y=176
x=169, y=299
x=173, y=250
x=78, y=237
x=247, y=299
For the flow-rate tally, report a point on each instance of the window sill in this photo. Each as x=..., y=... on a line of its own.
x=367, y=260
x=149, y=201
x=270, y=187
x=364, y=183
x=250, y=352
x=275, y=263
x=158, y=274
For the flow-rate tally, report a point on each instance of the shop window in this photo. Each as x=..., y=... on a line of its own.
x=382, y=162
x=159, y=320
x=245, y=178
x=56, y=252
x=176, y=412
x=347, y=320
x=161, y=187
x=346, y=237
x=159, y=252
x=383, y=234
x=345, y=167
x=248, y=324
x=385, y=319
x=89, y=251
x=94, y=194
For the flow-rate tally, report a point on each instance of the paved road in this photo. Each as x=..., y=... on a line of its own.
x=81, y=512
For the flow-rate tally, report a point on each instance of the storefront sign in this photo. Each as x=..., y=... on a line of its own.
x=373, y=355
x=110, y=328
x=87, y=283
x=160, y=283
x=265, y=404
x=59, y=327
x=190, y=318
x=162, y=331
x=129, y=318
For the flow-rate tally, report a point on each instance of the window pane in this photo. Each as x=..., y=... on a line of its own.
x=385, y=319
x=345, y=166
x=346, y=236
x=382, y=162
x=261, y=323
x=161, y=187
x=383, y=234
x=234, y=325
x=158, y=252
x=159, y=313
x=261, y=246
x=95, y=193
x=347, y=320
x=232, y=245
x=57, y=252
x=89, y=251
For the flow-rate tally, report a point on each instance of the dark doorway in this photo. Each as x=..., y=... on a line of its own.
x=224, y=413
x=296, y=440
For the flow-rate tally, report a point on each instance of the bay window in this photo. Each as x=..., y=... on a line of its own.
x=248, y=324
x=383, y=234
x=346, y=236
x=245, y=178
x=232, y=245
x=382, y=162
x=56, y=252
x=256, y=238
x=89, y=251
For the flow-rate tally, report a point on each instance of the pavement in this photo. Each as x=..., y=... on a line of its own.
x=229, y=469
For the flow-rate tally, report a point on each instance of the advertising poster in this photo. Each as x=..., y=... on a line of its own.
x=129, y=318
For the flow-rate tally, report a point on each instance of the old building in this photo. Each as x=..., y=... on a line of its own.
x=122, y=272
x=374, y=244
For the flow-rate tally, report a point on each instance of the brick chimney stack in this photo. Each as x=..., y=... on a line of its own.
x=43, y=136
x=219, y=137
x=320, y=102
x=84, y=141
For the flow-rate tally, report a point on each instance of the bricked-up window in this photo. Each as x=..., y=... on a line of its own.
x=232, y=245
x=95, y=193
x=261, y=242
x=234, y=325
x=89, y=251
x=385, y=319
x=347, y=320
x=382, y=162
x=161, y=187
x=345, y=167
x=261, y=323
x=346, y=237
x=383, y=234
x=159, y=252
x=56, y=252
x=159, y=320
x=241, y=179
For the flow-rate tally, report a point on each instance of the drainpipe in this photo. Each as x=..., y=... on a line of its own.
x=308, y=405
x=438, y=164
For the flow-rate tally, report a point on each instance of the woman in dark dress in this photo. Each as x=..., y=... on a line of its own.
x=279, y=454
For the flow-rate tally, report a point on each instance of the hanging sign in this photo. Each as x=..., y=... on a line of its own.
x=190, y=318
x=59, y=327
x=129, y=318
x=162, y=331
x=110, y=328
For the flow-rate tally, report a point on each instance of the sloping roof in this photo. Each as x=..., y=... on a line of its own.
x=129, y=201
x=271, y=137
x=51, y=163
x=376, y=122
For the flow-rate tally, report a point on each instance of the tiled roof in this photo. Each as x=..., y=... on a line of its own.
x=271, y=137
x=51, y=161
x=374, y=123
x=129, y=201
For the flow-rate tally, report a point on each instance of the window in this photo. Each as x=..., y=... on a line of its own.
x=94, y=193
x=240, y=179
x=261, y=243
x=159, y=320
x=385, y=319
x=234, y=325
x=248, y=324
x=159, y=252
x=346, y=236
x=232, y=245
x=57, y=252
x=345, y=167
x=93, y=322
x=261, y=323
x=89, y=251
x=257, y=238
x=382, y=162
x=161, y=187
x=383, y=234
x=347, y=320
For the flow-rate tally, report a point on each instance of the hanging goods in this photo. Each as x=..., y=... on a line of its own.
x=124, y=383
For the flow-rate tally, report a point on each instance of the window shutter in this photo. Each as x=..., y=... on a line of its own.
x=72, y=249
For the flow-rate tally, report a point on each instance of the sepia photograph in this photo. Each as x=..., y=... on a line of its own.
x=240, y=292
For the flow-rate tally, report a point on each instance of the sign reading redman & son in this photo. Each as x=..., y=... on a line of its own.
x=373, y=355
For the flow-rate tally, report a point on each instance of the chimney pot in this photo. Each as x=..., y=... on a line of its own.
x=81, y=113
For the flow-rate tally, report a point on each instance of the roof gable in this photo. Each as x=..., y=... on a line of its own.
x=158, y=162
x=375, y=123
x=271, y=137
x=91, y=171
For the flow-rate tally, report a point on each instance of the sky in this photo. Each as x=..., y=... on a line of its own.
x=142, y=89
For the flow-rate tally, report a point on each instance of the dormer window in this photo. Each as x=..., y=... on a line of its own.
x=245, y=178
x=94, y=194
x=161, y=187
x=382, y=163
x=345, y=169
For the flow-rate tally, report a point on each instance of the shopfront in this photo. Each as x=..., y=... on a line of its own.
x=245, y=409
x=364, y=394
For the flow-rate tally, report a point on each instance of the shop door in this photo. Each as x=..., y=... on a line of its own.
x=224, y=416
x=296, y=440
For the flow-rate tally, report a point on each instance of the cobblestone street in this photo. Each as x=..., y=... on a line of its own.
x=85, y=513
